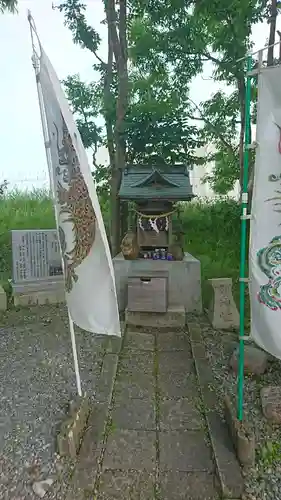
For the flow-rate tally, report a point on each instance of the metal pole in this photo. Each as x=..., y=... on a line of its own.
x=244, y=240
x=50, y=168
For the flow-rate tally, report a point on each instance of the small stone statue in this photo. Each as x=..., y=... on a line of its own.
x=129, y=246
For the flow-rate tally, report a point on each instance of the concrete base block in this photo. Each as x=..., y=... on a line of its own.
x=3, y=299
x=242, y=437
x=184, y=279
x=72, y=429
x=223, y=312
x=173, y=318
x=41, y=297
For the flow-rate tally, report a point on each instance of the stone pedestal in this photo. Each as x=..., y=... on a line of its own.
x=223, y=312
x=39, y=293
x=184, y=280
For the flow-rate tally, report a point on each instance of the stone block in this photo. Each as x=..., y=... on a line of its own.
x=242, y=437
x=3, y=299
x=184, y=279
x=222, y=311
x=72, y=429
x=173, y=318
x=271, y=403
x=255, y=360
x=39, y=297
x=106, y=378
x=227, y=466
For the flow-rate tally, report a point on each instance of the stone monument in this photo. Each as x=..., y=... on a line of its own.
x=37, y=268
x=222, y=311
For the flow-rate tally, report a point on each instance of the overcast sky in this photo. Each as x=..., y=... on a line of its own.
x=22, y=150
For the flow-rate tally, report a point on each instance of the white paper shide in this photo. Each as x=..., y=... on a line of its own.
x=88, y=270
x=265, y=239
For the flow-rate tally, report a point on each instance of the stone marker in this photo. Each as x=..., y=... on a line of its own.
x=37, y=268
x=271, y=403
x=3, y=299
x=223, y=312
x=255, y=360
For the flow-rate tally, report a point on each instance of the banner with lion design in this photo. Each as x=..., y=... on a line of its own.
x=265, y=238
x=88, y=269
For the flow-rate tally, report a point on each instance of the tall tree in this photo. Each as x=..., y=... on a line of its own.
x=116, y=66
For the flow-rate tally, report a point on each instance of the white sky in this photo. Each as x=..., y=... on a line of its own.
x=22, y=149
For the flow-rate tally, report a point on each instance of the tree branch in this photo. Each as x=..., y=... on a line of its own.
x=210, y=124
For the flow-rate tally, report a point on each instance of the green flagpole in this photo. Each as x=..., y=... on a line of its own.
x=243, y=244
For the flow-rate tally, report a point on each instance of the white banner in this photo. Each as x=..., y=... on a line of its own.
x=88, y=269
x=265, y=239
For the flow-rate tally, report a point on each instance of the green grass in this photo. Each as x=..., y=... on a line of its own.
x=211, y=232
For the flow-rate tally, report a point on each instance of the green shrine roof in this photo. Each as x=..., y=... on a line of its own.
x=156, y=182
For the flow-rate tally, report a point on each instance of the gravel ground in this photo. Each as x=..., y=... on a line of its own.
x=37, y=383
x=264, y=481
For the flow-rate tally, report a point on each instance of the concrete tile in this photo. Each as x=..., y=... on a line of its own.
x=130, y=450
x=185, y=485
x=134, y=414
x=179, y=414
x=184, y=451
x=126, y=485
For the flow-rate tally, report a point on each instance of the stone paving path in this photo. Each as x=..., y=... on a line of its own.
x=155, y=445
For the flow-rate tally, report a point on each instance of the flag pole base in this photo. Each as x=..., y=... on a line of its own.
x=242, y=437
x=73, y=427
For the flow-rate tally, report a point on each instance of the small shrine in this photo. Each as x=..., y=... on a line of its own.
x=152, y=192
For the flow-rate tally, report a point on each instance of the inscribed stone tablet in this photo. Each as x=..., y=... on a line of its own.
x=36, y=255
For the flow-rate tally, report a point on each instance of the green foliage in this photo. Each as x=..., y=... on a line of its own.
x=168, y=44
x=269, y=453
x=158, y=124
x=85, y=101
x=8, y=5
x=183, y=35
x=75, y=19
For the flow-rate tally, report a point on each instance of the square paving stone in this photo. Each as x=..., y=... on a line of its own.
x=175, y=361
x=185, y=485
x=173, y=342
x=137, y=341
x=134, y=414
x=126, y=485
x=143, y=362
x=137, y=385
x=130, y=450
x=177, y=385
x=184, y=451
x=180, y=414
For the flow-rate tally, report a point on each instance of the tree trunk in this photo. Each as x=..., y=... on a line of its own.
x=108, y=101
x=119, y=46
x=272, y=22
